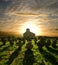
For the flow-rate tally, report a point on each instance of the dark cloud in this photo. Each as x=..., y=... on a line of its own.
x=56, y=29
x=53, y=6
x=4, y=4
x=26, y=5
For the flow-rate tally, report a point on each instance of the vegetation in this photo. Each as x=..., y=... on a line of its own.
x=15, y=52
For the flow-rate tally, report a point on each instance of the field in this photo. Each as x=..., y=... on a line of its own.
x=14, y=52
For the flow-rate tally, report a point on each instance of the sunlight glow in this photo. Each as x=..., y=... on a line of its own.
x=32, y=26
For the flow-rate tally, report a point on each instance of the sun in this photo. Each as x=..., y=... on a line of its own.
x=32, y=26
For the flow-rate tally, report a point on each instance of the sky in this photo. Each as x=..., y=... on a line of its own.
x=41, y=16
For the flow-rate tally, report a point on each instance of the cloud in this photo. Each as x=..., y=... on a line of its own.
x=13, y=13
x=4, y=4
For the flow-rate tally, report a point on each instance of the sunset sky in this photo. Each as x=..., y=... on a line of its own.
x=41, y=16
